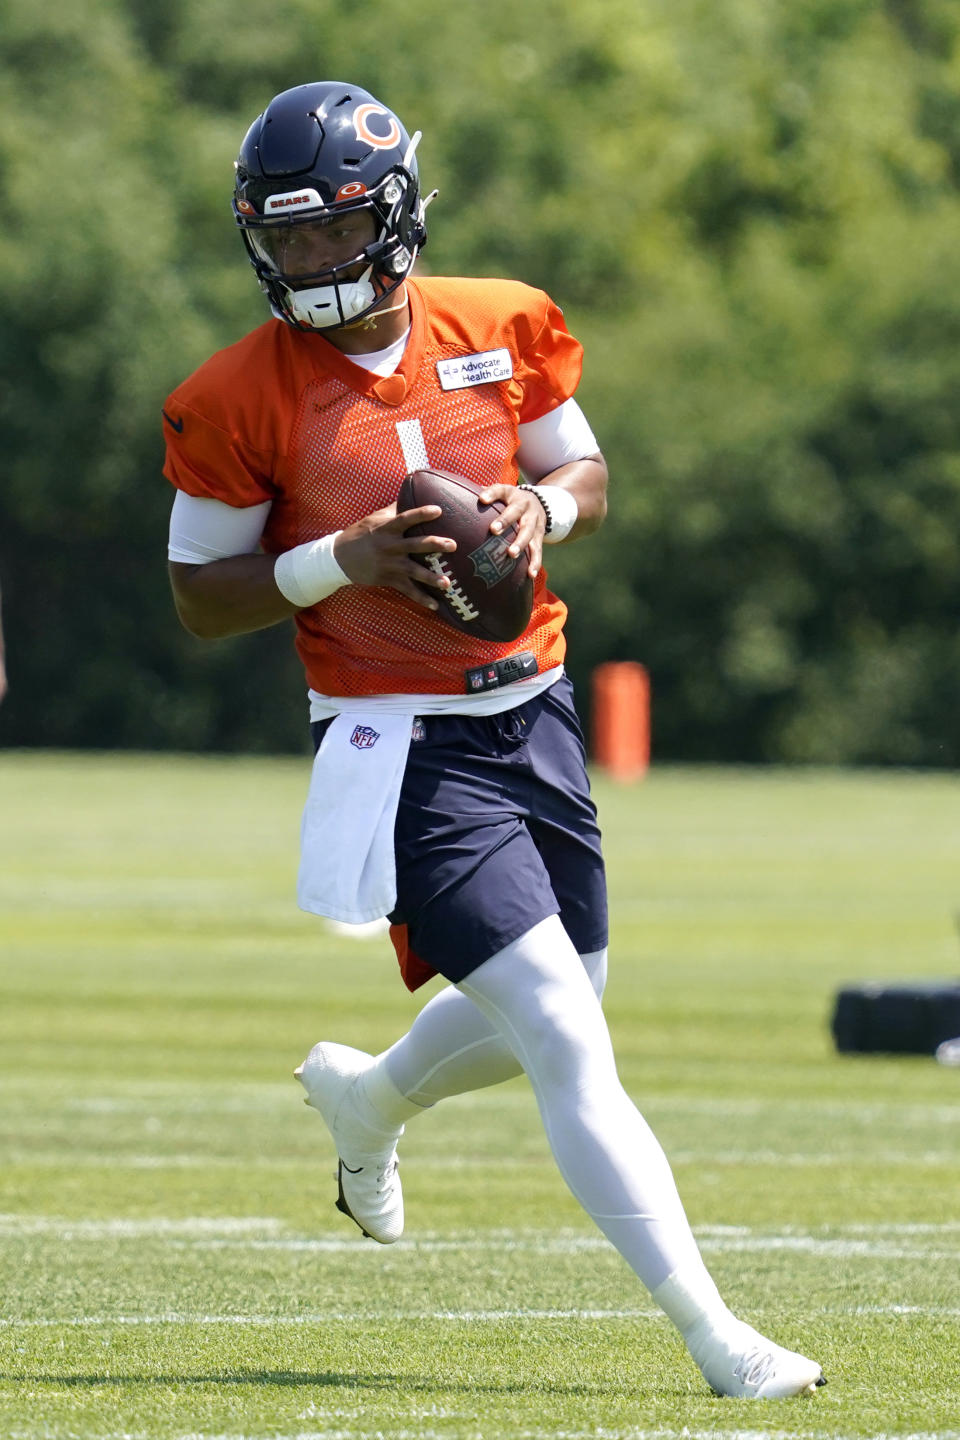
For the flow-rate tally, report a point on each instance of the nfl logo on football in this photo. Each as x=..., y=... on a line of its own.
x=491, y=562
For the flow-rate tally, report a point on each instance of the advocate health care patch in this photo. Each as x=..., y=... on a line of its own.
x=482, y=369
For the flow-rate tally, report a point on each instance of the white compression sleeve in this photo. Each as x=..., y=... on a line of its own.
x=554, y=440
x=202, y=530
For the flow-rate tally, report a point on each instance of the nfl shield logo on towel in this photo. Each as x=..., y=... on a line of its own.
x=364, y=737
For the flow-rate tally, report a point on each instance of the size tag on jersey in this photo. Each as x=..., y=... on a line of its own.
x=483, y=369
x=501, y=672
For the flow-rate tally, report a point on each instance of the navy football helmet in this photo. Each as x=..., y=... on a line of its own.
x=317, y=151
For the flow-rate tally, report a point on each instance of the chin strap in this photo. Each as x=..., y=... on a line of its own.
x=369, y=322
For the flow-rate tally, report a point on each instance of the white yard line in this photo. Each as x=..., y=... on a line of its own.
x=189, y=1098
x=883, y=1240
x=384, y=1315
x=596, y=1432
x=124, y=1228
x=865, y=1110
x=326, y=1317
x=825, y=1247
x=817, y=1160
x=761, y=1244
x=198, y=1160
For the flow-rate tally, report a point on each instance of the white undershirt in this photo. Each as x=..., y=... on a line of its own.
x=383, y=362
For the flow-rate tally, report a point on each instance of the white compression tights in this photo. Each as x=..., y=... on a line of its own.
x=543, y=1005
x=452, y=1048
x=535, y=1007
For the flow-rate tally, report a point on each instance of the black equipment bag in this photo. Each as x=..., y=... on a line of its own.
x=906, y=1019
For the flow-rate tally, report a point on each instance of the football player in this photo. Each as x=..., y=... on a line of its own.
x=449, y=790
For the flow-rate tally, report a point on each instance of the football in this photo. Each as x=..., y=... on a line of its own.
x=491, y=594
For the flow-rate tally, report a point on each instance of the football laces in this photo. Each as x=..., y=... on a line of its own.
x=456, y=597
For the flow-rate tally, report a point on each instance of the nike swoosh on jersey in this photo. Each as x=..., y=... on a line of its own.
x=177, y=424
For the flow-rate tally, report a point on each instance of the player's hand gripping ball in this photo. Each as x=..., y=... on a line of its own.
x=490, y=595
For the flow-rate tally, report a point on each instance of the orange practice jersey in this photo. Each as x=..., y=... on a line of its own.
x=286, y=417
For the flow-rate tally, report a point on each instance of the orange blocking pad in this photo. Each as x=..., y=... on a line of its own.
x=620, y=719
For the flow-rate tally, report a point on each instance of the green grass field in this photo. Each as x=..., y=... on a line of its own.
x=173, y=1266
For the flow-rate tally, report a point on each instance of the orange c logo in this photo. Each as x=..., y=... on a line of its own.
x=350, y=191
x=380, y=142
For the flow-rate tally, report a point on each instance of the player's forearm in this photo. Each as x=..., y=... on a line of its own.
x=229, y=597
x=587, y=482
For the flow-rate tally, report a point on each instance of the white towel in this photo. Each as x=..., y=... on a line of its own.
x=347, y=863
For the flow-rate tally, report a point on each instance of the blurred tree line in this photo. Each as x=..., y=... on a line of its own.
x=749, y=211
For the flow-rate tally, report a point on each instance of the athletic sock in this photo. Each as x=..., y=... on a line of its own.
x=689, y=1299
x=375, y=1126
x=378, y=1099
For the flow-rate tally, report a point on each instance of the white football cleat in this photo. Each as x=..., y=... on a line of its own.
x=367, y=1174
x=738, y=1361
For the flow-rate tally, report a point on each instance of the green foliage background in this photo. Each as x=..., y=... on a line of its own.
x=749, y=212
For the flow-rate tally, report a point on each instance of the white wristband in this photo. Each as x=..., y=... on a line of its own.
x=560, y=508
x=309, y=573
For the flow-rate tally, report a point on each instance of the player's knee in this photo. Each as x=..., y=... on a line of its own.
x=565, y=1046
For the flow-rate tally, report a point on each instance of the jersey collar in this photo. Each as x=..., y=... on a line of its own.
x=388, y=389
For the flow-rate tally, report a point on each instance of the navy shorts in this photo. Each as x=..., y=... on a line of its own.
x=495, y=831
